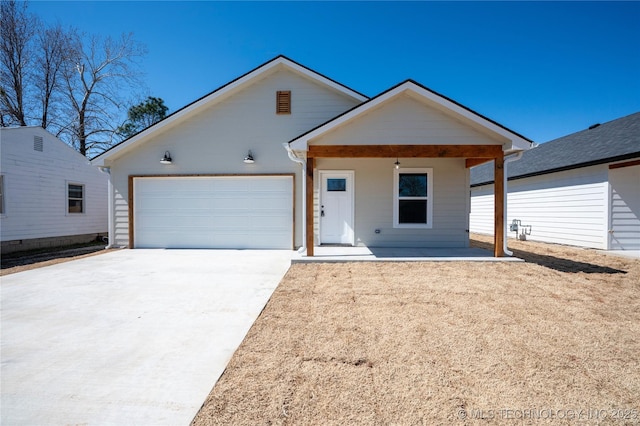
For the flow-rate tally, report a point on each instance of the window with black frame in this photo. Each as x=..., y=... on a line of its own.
x=412, y=198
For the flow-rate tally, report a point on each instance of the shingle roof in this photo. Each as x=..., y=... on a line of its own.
x=612, y=141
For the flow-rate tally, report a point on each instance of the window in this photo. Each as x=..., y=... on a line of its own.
x=76, y=198
x=1, y=194
x=413, y=198
x=336, y=185
x=283, y=102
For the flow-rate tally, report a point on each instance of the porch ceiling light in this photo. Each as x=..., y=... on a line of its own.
x=166, y=159
x=249, y=158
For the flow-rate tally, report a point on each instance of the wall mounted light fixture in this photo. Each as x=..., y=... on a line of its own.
x=166, y=159
x=249, y=158
x=397, y=163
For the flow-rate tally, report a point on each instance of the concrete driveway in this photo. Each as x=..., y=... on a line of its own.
x=135, y=337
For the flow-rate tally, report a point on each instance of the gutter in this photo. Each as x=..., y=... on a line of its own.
x=303, y=163
x=509, y=159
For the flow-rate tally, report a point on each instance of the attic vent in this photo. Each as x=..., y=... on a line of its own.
x=283, y=102
x=594, y=126
x=38, y=143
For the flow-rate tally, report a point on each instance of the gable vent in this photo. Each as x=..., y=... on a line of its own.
x=38, y=143
x=283, y=102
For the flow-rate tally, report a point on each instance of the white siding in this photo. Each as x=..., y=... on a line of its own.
x=625, y=208
x=216, y=139
x=481, y=217
x=374, y=202
x=405, y=121
x=566, y=207
x=35, y=185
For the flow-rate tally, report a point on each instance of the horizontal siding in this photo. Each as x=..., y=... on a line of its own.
x=35, y=185
x=374, y=202
x=566, y=208
x=404, y=121
x=217, y=138
x=481, y=216
x=625, y=208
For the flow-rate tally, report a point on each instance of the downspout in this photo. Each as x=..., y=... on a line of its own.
x=303, y=163
x=110, y=228
x=509, y=159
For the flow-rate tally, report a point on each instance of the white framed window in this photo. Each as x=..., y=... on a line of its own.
x=75, y=198
x=413, y=198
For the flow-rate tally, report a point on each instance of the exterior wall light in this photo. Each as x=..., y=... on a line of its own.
x=249, y=158
x=397, y=163
x=166, y=159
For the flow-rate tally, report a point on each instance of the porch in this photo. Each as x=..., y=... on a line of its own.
x=422, y=130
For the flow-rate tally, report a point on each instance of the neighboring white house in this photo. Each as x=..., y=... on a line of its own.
x=284, y=157
x=582, y=189
x=50, y=195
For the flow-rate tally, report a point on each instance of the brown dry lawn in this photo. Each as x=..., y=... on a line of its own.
x=440, y=343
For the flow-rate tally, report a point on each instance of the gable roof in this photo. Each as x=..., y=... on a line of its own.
x=519, y=142
x=218, y=93
x=43, y=132
x=612, y=141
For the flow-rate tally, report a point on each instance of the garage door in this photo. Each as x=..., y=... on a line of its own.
x=213, y=212
x=625, y=208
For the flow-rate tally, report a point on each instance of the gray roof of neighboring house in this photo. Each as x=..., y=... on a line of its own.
x=612, y=141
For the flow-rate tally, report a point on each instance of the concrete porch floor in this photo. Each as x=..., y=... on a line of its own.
x=399, y=254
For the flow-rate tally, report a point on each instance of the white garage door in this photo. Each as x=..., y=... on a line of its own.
x=214, y=212
x=625, y=208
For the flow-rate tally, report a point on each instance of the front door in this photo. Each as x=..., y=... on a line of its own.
x=336, y=207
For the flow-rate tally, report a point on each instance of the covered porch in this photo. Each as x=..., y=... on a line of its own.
x=425, y=201
x=471, y=154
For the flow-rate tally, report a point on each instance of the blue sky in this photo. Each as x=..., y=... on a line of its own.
x=543, y=69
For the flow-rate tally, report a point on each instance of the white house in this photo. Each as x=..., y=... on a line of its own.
x=582, y=189
x=284, y=157
x=50, y=195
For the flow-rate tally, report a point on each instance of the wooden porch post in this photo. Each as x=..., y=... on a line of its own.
x=309, y=200
x=498, y=221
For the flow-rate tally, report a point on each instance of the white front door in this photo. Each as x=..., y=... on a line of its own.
x=336, y=207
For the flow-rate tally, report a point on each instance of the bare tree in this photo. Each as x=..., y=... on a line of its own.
x=75, y=86
x=105, y=72
x=56, y=49
x=17, y=28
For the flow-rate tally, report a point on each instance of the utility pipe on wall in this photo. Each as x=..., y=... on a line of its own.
x=303, y=163
x=110, y=227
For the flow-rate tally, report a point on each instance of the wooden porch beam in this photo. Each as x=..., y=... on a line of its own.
x=309, y=205
x=472, y=162
x=405, y=151
x=498, y=243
